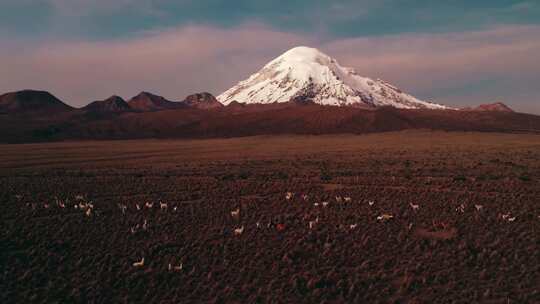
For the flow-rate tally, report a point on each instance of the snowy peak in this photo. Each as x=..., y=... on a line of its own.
x=308, y=74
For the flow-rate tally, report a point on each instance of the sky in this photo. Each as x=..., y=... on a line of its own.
x=456, y=52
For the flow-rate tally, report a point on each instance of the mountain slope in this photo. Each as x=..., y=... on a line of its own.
x=149, y=102
x=113, y=104
x=31, y=101
x=493, y=107
x=203, y=101
x=304, y=73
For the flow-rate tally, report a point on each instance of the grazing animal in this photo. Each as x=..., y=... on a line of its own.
x=385, y=217
x=89, y=212
x=46, y=206
x=239, y=231
x=347, y=199
x=414, y=207
x=149, y=205
x=507, y=217
x=289, y=195
x=478, y=207
x=138, y=206
x=461, y=208
x=235, y=213
x=312, y=224
x=258, y=225
x=176, y=268
x=371, y=203
x=140, y=263
x=123, y=208
x=325, y=204
x=339, y=199
x=145, y=225
x=410, y=226
x=353, y=226
x=316, y=204
x=163, y=206
x=60, y=204
x=174, y=209
x=305, y=197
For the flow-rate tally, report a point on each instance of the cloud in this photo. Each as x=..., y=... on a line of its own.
x=498, y=63
x=173, y=62
x=455, y=68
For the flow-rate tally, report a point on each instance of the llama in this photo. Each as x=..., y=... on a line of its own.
x=123, y=208
x=149, y=205
x=325, y=204
x=163, y=206
x=414, y=207
x=347, y=199
x=478, y=207
x=139, y=264
x=239, y=231
x=339, y=199
x=235, y=213
x=385, y=217
x=371, y=203
x=289, y=196
x=353, y=226
x=305, y=197
x=176, y=268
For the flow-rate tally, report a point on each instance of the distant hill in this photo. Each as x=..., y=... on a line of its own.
x=202, y=101
x=202, y=116
x=28, y=101
x=113, y=104
x=497, y=107
x=149, y=102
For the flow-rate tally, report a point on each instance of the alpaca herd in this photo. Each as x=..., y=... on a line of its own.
x=312, y=222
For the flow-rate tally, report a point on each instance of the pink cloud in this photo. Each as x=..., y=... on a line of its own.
x=173, y=63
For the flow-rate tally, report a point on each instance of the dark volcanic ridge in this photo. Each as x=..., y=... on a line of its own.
x=149, y=102
x=202, y=116
x=497, y=106
x=31, y=101
x=113, y=104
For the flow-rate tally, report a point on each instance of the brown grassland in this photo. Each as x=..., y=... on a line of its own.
x=400, y=217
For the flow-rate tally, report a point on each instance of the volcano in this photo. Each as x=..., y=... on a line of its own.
x=307, y=74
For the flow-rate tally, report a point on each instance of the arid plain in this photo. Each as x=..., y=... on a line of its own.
x=404, y=217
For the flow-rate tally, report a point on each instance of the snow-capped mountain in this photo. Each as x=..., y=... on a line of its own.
x=304, y=73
